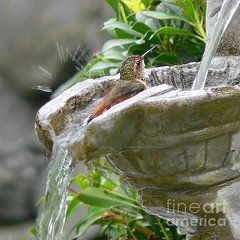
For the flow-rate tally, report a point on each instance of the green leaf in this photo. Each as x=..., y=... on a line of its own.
x=114, y=4
x=151, y=40
x=81, y=180
x=85, y=225
x=140, y=17
x=33, y=231
x=98, y=197
x=147, y=2
x=141, y=27
x=145, y=42
x=102, y=66
x=180, y=3
x=72, y=206
x=133, y=221
x=152, y=23
x=126, y=9
x=114, y=71
x=189, y=10
x=116, y=42
x=122, y=34
x=113, y=230
x=87, y=220
x=140, y=236
x=109, y=22
x=173, y=6
x=162, y=15
x=140, y=41
x=166, y=58
x=40, y=201
x=108, y=183
x=122, y=26
x=172, y=31
x=114, y=54
x=138, y=49
x=132, y=32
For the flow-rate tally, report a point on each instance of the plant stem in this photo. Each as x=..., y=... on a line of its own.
x=118, y=218
x=72, y=190
x=201, y=31
x=163, y=229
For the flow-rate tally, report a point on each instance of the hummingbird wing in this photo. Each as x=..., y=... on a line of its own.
x=119, y=93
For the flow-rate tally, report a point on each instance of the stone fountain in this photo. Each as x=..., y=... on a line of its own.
x=180, y=148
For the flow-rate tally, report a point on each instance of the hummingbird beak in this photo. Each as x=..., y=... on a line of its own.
x=148, y=51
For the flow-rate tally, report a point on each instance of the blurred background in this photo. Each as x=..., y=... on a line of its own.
x=38, y=40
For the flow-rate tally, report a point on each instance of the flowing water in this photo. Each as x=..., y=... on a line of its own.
x=226, y=13
x=51, y=221
x=50, y=224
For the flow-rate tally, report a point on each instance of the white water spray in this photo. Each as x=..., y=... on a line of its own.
x=226, y=13
x=50, y=224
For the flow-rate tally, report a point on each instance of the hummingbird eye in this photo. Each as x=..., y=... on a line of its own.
x=138, y=63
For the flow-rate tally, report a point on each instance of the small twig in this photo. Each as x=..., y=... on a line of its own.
x=163, y=229
x=118, y=218
x=72, y=190
x=131, y=232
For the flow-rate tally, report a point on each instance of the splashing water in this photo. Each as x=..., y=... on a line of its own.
x=50, y=225
x=226, y=13
x=43, y=89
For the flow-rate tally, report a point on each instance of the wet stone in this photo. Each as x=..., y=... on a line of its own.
x=163, y=138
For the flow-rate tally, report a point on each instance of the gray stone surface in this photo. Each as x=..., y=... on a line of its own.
x=74, y=105
x=30, y=30
x=157, y=131
x=151, y=129
x=21, y=158
x=230, y=43
x=229, y=196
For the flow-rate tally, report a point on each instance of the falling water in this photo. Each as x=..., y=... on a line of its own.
x=50, y=224
x=51, y=221
x=226, y=13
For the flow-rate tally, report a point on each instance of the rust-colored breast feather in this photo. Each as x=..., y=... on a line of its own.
x=121, y=92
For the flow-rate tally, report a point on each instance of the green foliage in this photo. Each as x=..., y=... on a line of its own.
x=176, y=27
x=33, y=231
x=113, y=207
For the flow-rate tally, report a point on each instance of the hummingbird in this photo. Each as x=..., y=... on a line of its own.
x=131, y=82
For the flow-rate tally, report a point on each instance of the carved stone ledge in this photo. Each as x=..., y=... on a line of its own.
x=69, y=109
x=170, y=144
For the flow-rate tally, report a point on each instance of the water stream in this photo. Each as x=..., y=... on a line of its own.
x=51, y=221
x=50, y=224
x=225, y=15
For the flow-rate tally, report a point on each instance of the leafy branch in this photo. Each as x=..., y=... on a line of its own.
x=177, y=27
x=113, y=207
